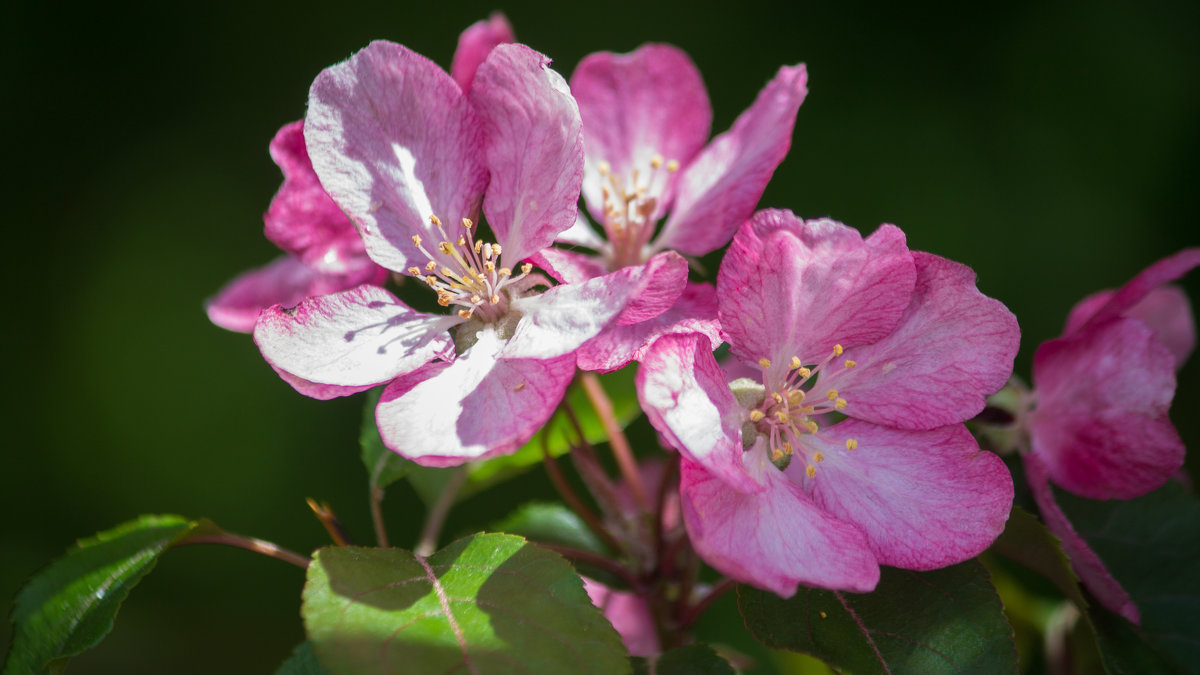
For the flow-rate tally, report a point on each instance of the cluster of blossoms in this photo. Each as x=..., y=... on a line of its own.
x=832, y=441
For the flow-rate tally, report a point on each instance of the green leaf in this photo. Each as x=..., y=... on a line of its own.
x=1151, y=545
x=944, y=621
x=70, y=606
x=302, y=662
x=489, y=603
x=551, y=523
x=384, y=467
x=695, y=659
x=1026, y=540
x=558, y=433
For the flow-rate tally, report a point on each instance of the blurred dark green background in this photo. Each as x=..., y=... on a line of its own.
x=1054, y=147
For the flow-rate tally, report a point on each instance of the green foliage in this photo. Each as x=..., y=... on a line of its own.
x=944, y=621
x=70, y=606
x=1026, y=540
x=490, y=603
x=302, y=662
x=695, y=659
x=384, y=467
x=551, y=523
x=1151, y=545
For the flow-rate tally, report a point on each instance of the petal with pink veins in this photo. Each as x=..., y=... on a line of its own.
x=924, y=499
x=1084, y=561
x=953, y=347
x=636, y=106
x=1166, y=310
x=718, y=191
x=662, y=281
x=302, y=219
x=533, y=146
x=1164, y=271
x=629, y=615
x=793, y=288
x=558, y=321
x=581, y=234
x=1101, y=425
x=321, y=392
x=477, y=407
x=775, y=539
x=617, y=346
x=363, y=336
x=285, y=281
x=474, y=45
x=394, y=141
x=568, y=267
x=684, y=394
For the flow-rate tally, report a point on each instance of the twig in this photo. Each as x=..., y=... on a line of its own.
x=616, y=437
x=573, y=501
x=427, y=543
x=696, y=610
x=376, y=497
x=664, y=486
x=251, y=544
x=330, y=520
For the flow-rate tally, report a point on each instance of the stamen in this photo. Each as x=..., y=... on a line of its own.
x=416, y=238
x=795, y=364
x=837, y=350
x=430, y=266
x=832, y=394
x=525, y=268
x=818, y=457
x=437, y=222
x=804, y=373
x=464, y=313
x=811, y=471
x=765, y=363
x=782, y=416
x=850, y=364
x=415, y=271
x=466, y=222
x=603, y=168
x=777, y=397
x=756, y=415
x=673, y=165
x=839, y=404
x=851, y=444
x=656, y=161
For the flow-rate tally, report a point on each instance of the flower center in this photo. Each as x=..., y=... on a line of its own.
x=629, y=207
x=794, y=407
x=468, y=274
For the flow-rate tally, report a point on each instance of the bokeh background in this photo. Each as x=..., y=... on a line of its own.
x=1054, y=147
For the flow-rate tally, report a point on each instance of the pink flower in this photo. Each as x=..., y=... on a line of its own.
x=407, y=155
x=1100, y=425
x=646, y=119
x=628, y=614
x=325, y=253
x=899, y=346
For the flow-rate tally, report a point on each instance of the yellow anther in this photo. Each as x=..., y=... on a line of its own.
x=446, y=272
x=822, y=614
x=837, y=350
x=811, y=471
x=831, y=394
x=818, y=457
x=787, y=449
x=487, y=251
x=489, y=267
x=431, y=280
x=475, y=299
x=603, y=168
x=756, y=415
x=526, y=268
x=776, y=454
x=765, y=363
x=416, y=239
x=436, y=221
x=804, y=372
x=495, y=299
x=466, y=222
x=478, y=246
x=462, y=241
x=496, y=250
x=464, y=313
x=415, y=271
x=777, y=397
x=851, y=444
x=443, y=301
x=811, y=426
x=444, y=247
x=505, y=272
x=430, y=266
x=851, y=364
x=673, y=165
x=795, y=362
x=782, y=416
x=839, y=404
x=656, y=161
x=795, y=397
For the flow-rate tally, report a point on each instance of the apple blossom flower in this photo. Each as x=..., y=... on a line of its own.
x=646, y=118
x=324, y=252
x=629, y=615
x=847, y=451
x=1098, y=422
x=407, y=155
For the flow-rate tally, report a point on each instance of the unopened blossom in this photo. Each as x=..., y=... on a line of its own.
x=656, y=185
x=407, y=155
x=324, y=252
x=847, y=450
x=629, y=615
x=1098, y=425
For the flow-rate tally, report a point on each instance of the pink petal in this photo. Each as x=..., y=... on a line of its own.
x=720, y=189
x=636, y=106
x=617, y=346
x=302, y=219
x=1101, y=424
x=477, y=407
x=581, y=234
x=1084, y=561
x=686, y=398
x=924, y=499
x=790, y=288
x=363, y=336
x=394, y=141
x=629, y=615
x=776, y=539
x=953, y=347
x=568, y=267
x=534, y=149
x=662, y=281
x=321, y=392
x=558, y=321
x=1166, y=310
x=285, y=281
x=474, y=45
x=1164, y=271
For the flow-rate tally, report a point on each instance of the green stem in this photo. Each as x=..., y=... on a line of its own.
x=616, y=437
x=376, y=498
x=427, y=543
x=695, y=611
x=251, y=544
